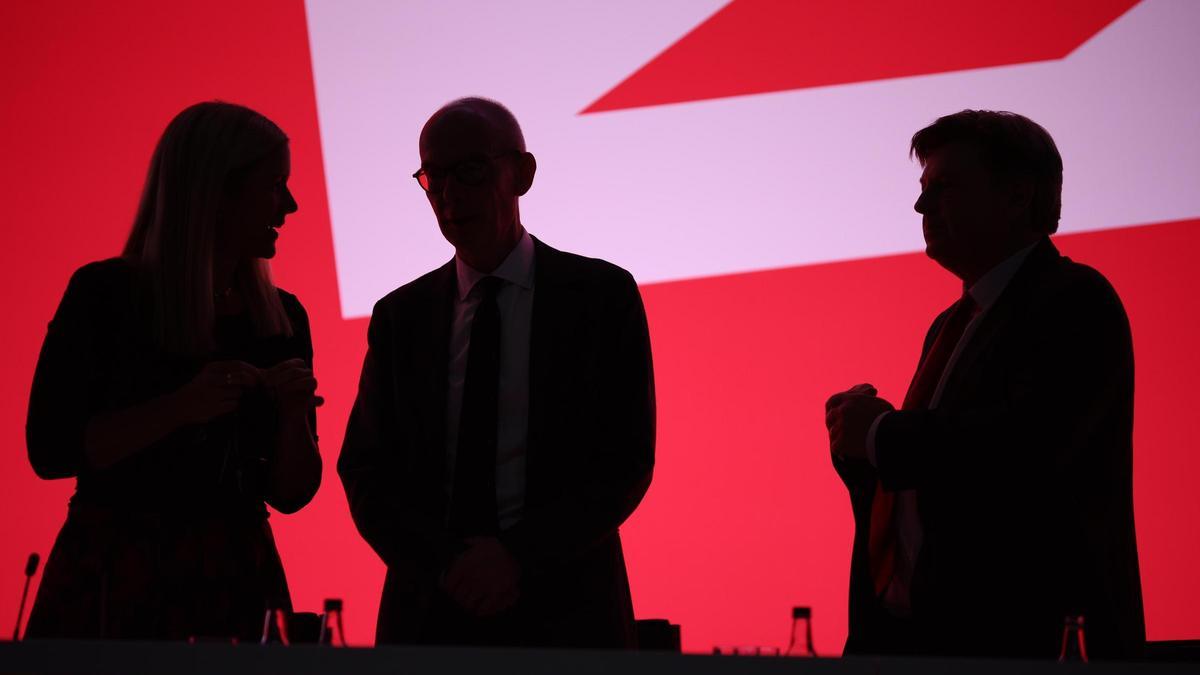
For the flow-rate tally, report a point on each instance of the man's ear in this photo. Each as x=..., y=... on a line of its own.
x=526, y=168
x=1020, y=198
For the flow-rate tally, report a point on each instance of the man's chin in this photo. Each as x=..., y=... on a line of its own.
x=946, y=257
x=459, y=231
x=937, y=251
x=460, y=223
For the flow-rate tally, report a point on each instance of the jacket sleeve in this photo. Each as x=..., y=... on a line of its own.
x=66, y=381
x=858, y=475
x=1071, y=371
x=302, y=336
x=616, y=476
x=389, y=518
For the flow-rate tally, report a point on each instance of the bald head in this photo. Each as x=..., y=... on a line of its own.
x=497, y=123
x=475, y=168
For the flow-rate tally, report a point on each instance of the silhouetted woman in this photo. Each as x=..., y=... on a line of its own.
x=175, y=385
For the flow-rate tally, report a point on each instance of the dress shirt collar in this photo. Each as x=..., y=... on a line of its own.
x=517, y=268
x=988, y=288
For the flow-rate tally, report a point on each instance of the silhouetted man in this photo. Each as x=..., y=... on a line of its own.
x=999, y=499
x=504, y=426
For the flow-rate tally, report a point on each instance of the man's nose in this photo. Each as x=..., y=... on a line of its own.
x=921, y=204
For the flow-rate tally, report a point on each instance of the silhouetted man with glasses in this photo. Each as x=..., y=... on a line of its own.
x=504, y=425
x=998, y=499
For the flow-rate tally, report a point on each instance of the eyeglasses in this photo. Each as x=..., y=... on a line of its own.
x=471, y=172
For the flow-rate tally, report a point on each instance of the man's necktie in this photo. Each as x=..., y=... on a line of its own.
x=882, y=542
x=473, y=503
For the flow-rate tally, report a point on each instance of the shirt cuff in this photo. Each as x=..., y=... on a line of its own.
x=871, y=438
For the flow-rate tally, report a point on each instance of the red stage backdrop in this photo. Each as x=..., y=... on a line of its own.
x=754, y=319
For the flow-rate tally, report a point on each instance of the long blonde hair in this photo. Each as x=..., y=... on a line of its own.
x=173, y=240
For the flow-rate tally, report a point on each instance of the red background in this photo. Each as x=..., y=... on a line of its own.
x=745, y=518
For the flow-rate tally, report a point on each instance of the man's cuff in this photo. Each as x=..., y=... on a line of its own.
x=871, y=438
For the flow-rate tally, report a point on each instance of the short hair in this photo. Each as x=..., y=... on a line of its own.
x=500, y=118
x=1013, y=146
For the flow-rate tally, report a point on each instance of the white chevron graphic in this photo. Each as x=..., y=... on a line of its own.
x=721, y=186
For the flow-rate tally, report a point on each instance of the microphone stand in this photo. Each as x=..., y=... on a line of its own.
x=30, y=569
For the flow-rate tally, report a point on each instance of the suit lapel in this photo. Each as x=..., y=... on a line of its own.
x=930, y=338
x=433, y=372
x=999, y=317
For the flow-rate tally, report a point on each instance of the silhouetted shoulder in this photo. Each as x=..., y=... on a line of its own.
x=298, y=318
x=98, y=288
x=1079, y=275
x=600, y=276
x=597, y=268
x=416, y=292
x=1079, y=281
x=292, y=307
x=109, y=275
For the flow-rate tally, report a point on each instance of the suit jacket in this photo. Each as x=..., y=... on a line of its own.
x=1024, y=481
x=590, y=451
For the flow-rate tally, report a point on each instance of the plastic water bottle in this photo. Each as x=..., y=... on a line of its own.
x=332, y=632
x=1074, y=646
x=802, y=615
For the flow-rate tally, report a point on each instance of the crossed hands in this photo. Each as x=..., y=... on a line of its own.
x=483, y=579
x=293, y=386
x=220, y=385
x=849, y=416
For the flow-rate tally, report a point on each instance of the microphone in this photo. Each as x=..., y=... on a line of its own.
x=31, y=566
